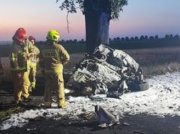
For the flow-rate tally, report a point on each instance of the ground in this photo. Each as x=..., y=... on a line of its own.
x=161, y=99
x=130, y=124
x=138, y=124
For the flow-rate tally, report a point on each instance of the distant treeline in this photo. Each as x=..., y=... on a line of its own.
x=136, y=38
x=150, y=43
x=74, y=46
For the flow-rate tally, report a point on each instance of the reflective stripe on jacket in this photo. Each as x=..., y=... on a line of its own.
x=34, y=59
x=19, y=55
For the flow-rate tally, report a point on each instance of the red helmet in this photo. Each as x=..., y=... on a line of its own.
x=20, y=35
x=31, y=38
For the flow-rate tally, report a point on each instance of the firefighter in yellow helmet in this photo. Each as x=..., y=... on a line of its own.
x=34, y=59
x=19, y=57
x=53, y=57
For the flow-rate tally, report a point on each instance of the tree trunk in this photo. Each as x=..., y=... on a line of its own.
x=97, y=25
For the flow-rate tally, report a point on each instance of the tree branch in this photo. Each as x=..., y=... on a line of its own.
x=67, y=22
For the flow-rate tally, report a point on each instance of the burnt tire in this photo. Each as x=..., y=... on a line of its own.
x=143, y=86
x=139, y=87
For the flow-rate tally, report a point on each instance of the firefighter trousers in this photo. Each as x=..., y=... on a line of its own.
x=26, y=83
x=32, y=75
x=54, y=81
x=21, y=84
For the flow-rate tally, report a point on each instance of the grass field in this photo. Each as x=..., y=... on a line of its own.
x=154, y=61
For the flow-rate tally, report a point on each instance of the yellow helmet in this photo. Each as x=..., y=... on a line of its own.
x=53, y=35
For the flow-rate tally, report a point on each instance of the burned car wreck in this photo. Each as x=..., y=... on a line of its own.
x=108, y=71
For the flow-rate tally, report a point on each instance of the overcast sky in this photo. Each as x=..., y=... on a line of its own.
x=139, y=17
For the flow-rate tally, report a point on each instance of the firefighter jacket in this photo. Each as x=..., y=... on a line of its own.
x=52, y=57
x=34, y=59
x=19, y=55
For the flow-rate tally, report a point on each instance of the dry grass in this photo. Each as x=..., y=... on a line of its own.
x=74, y=59
x=158, y=60
x=6, y=67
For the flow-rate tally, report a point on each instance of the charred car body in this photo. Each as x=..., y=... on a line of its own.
x=108, y=71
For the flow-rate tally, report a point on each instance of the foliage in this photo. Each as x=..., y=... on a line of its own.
x=113, y=6
x=116, y=7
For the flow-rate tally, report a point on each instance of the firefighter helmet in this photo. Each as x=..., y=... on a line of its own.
x=20, y=35
x=53, y=35
x=31, y=38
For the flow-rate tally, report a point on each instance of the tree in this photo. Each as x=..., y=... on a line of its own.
x=151, y=37
x=98, y=14
x=118, y=39
x=171, y=36
x=136, y=38
x=176, y=36
x=132, y=39
x=156, y=37
x=142, y=37
x=122, y=39
x=127, y=38
x=146, y=37
x=167, y=36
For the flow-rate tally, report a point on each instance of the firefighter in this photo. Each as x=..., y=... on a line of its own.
x=19, y=58
x=33, y=64
x=53, y=57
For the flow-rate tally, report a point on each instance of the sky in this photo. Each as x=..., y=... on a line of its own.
x=161, y=99
x=139, y=17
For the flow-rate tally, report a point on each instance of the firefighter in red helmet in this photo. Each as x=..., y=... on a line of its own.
x=19, y=58
x=33, y=63
x=20, y=35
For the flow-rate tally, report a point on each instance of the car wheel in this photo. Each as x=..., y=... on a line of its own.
x=143, y=86
x=139, y=87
